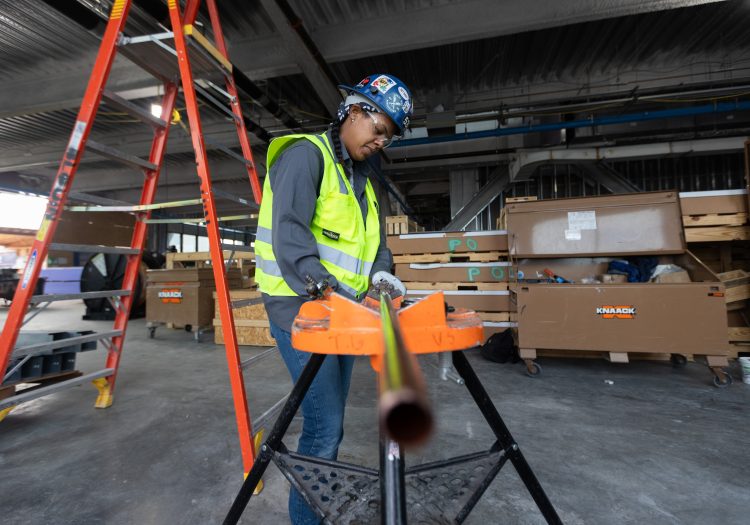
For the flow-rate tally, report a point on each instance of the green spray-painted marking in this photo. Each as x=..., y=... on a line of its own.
x=497, y=272
x=472, y=273
x=471, y=244
x=453, y=244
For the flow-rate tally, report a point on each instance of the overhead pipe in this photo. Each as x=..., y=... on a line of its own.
x=719, y=107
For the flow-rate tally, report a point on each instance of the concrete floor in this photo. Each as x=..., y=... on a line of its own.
x=658, y=446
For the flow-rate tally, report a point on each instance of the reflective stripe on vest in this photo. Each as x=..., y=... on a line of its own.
x=342, y=260
x=272, y=268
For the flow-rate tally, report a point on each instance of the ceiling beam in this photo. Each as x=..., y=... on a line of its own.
x=303, y=51
x=415, y=29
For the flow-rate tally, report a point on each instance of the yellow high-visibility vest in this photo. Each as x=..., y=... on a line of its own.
x=346, y=244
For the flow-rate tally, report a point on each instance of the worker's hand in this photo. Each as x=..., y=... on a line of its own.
x=394, y=282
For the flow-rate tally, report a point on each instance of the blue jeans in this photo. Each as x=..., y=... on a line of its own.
x=322, y=411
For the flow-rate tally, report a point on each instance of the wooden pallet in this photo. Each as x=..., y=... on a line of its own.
x=401, y=224
x=417, y=285
x=714, y=219
x=451, y=257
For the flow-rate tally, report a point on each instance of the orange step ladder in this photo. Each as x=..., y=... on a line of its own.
x=166, y=56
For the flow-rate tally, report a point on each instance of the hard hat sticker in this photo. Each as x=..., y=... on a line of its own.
x=403, y=93
x=394, y=103
x=363, y=82
x=383, y=83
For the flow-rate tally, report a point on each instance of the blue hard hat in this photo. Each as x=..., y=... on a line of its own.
x=389, y=94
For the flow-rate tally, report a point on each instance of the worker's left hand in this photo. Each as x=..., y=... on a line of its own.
x=394, y=282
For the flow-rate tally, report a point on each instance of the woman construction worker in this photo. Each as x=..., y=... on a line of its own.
x=319, y=221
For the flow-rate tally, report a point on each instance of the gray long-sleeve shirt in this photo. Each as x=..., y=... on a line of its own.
x=295, y=181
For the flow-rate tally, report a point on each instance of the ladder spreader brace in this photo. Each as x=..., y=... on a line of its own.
x=211, y=59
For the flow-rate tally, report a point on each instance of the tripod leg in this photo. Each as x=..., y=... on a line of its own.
x=274, y=439
x=504, y=437
x=392, y=483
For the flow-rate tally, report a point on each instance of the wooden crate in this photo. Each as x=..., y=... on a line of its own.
x=717, y=233
x=400, y=224
x=250, y=321
x=714, y=219
x=203, y=259
x=246, y=335
x=737, y=284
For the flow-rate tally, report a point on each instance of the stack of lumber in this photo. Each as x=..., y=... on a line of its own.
x=398, y=224
x=250, y=321
x=471, y=268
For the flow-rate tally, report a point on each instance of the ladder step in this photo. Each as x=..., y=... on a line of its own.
x=48, y=298
x=227, y=150
x=247, y=302
x=218, y=104
x=93, y=248
x=116, y=101
x=155, y=53
x=120, y=156
x=196, y=220
x=237, y=248
x=36, y=393
x=41, y=348
x=235, y=198
x=138, y=207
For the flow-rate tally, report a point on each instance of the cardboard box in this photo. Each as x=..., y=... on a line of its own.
x=673, y=277
x=454, y=272
x=611, y=225
x=449, y=242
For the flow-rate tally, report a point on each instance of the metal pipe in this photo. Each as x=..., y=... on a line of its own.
x=403, y=409
x=721, y=107
x=392, y=483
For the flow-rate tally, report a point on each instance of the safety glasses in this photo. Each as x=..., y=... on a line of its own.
x=381, y=131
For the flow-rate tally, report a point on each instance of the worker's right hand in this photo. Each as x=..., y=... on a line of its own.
x=391, y=280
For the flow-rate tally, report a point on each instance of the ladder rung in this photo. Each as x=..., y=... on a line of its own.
x=48, y=298
x=235, y=198
x=121, y=156
x=51, y=389
x=138, y=207
x=155, y=53
x=218, y=104
x=246, y=302
x=196, y=220
x=93, y=248
x=40, y=348
x=116, y=101
x=227, y=150
x=237, y=248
